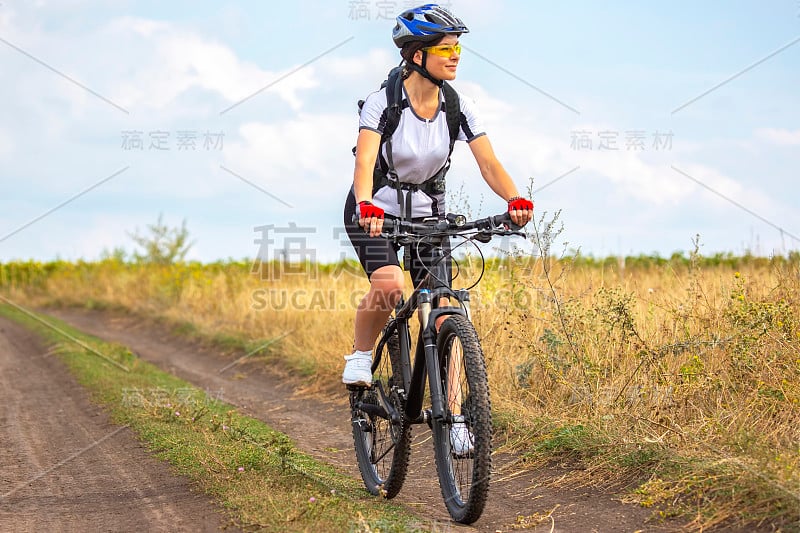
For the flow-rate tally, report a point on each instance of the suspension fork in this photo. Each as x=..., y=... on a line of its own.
x=428, y=338
x=416, y=388
x=427, y=358
x=405, y=354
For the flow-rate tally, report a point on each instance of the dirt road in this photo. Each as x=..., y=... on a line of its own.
x=322, y=429
x=65, y=467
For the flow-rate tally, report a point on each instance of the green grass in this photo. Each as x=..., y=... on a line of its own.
x=253, y=471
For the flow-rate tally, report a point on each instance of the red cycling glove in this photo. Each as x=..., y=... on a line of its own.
x=518, y=203
x=367, y=210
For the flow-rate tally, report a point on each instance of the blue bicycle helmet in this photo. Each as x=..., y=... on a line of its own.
x=426, y=24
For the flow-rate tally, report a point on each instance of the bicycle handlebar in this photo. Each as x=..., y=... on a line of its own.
x=452, y=224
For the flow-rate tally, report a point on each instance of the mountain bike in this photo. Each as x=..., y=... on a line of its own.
x=453, y=362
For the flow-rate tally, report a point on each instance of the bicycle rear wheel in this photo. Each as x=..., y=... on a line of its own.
x=463, y=470
x=383, y=448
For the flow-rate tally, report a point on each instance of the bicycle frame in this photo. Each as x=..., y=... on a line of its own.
x=426, y=359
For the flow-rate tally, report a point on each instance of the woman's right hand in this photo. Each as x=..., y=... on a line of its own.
x=370, y=217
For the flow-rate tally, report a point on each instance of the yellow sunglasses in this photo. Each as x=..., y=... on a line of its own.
x=444, y=50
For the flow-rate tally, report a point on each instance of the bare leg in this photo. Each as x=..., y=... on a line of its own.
x=454, y=376
x=386, y=288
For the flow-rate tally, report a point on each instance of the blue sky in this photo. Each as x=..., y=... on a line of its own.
x=543, y=75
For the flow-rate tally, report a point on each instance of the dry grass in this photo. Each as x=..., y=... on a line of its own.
x=681, y=374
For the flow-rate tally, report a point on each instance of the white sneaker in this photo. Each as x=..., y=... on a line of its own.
x=358, y=369
x=461, y=440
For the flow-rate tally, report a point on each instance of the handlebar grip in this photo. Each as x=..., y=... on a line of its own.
x=505, y=218
x=492, y=222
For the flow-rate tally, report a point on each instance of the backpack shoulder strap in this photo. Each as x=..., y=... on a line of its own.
x=453, y=110
x=394, y=102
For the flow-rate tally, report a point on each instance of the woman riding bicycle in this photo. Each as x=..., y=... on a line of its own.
x=419, y=150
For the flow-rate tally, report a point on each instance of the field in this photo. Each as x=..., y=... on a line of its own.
x=678, y=378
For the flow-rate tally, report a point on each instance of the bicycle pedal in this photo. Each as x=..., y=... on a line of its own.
x=358, y=388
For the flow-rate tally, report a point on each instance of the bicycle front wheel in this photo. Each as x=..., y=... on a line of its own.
x=463, y=438
x=382, y=448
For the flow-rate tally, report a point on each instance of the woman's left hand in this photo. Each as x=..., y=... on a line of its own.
x=521, y=210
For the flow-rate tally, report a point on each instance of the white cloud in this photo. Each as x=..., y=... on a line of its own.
x=140, y=64
x=370, y=66
x=780, y=137
x=492, y=110
x=305, y=157
x=7, y=146
x=5, y=19
x=175, y=60
x=104, y=232
x=529, y=143
x=533, y=144
x=723, y=185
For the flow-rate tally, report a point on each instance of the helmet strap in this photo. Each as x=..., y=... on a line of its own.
x=422, y=71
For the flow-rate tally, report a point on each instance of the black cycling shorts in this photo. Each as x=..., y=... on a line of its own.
x=377, y=252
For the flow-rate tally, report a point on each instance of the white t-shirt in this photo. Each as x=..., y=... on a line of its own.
x=419, y=148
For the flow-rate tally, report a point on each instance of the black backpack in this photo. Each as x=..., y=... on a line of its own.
x=384, y=173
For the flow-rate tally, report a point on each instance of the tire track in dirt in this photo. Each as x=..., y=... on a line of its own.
x=65, y=467
x=321, y=428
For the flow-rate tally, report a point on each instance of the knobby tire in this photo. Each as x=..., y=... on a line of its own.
x=383, y=450
x=464, y=480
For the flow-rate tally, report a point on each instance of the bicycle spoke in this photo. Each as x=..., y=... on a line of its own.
x=390, y=448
